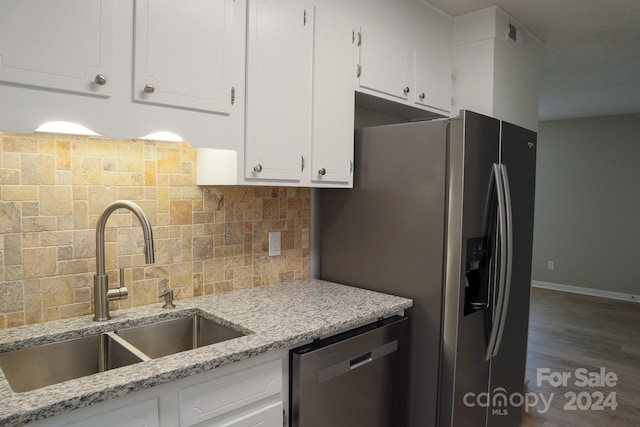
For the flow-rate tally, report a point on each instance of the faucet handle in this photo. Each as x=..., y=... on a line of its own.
x=168, y=299
x=121, y=293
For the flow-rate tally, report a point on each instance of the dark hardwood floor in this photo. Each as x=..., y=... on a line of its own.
x=570, y=332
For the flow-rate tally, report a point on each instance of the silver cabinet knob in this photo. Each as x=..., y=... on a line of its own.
x=257, y=168
x=149, y=88
x=422, y=96
x=100, y=80
x=322, y=172
x=406, y=90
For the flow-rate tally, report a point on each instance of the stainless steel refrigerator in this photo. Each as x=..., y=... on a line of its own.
x=442, y=212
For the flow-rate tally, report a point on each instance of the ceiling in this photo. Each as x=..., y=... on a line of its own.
x=590, y=63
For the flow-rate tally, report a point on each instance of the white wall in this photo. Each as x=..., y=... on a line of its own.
x=587, y=217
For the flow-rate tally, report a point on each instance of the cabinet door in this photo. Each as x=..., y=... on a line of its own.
x=202, y=403
x=385, y=64
x=433, y=82
x=64, y=45
x=183, y=53
x=334, y=67
x=278, y=110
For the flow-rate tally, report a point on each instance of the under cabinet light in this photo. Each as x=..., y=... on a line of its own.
x=76, y=129
x=216, y=167
x=66, y=128
x=163, y=136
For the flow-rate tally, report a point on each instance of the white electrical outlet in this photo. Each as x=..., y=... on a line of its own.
x=275, y=243
x=550, y=265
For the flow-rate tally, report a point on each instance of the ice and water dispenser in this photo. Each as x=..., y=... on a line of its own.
x=477, y=273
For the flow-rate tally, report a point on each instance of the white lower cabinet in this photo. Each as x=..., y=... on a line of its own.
x=249, y=393
x=210, y=399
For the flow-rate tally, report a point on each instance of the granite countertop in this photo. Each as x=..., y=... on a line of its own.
x=273, y=317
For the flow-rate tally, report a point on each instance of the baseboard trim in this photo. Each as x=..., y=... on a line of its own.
x=586, y=291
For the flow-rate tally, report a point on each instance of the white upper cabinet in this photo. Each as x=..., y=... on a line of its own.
x=335, y=60
x=385, y=63
x=300, y=99
x=273, y=80
x=64, y=45
x=188, y=56
x=183, y=53
x=405, y=50
x=278, y=110
x=301, y=67
x=433, y=48
x=433, y=82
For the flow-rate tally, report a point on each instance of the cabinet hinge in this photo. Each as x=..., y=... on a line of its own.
x=351, y=166
x=353, y=36
x=359, y=38
x=284, y=418
x=358, y=70
x=301, y=163
x=233, y=95
x=304, y=18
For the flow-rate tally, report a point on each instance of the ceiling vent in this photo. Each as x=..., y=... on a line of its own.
x=515, y=33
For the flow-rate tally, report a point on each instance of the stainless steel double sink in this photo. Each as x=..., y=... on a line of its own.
x=35, y=367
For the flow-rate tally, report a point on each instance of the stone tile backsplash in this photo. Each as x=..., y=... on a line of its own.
x=207, y=239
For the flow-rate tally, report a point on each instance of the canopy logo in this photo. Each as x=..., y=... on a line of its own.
x=500, y=401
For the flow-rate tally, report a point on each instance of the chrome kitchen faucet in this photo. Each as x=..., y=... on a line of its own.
x=101, y=292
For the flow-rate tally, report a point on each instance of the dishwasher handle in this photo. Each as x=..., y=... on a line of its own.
x=348, y=365
x=356, y=362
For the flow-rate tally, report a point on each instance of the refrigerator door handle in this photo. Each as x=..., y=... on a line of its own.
x=509, y=255
x=502, y=242
x=490, y=204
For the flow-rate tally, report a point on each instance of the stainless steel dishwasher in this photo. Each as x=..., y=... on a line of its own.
x=352, y=379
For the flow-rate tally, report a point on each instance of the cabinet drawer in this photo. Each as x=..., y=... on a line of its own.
x=212, y=398
x=142, y=414
x=264, y=416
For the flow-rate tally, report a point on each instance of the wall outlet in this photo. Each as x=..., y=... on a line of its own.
x=275, y=243
x=551, y=265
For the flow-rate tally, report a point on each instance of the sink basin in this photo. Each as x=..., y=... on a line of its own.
x=176, y=335
x=31, y=368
